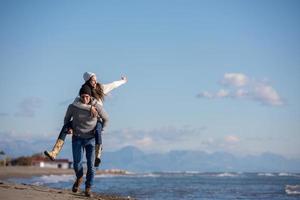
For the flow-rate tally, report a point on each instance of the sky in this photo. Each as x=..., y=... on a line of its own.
x=202, y=75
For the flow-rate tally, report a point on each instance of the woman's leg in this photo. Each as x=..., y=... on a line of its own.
x=98, y=146
x=59, y=142
x=98, y=129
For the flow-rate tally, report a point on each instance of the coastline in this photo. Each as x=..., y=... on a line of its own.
x=27, y=172
x=12, y=191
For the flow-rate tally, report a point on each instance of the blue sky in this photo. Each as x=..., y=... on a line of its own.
x=203, y=75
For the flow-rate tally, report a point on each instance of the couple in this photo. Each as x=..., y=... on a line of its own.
x=86, y=120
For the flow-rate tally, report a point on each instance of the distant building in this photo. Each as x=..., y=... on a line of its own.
x=58, y=163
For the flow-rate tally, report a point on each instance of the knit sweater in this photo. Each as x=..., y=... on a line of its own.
x=83, y=124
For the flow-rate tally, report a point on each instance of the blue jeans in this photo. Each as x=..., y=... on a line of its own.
x=79, y=145
x=98, y=130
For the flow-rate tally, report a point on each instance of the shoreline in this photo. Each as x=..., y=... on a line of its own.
x=30, y=171
x=11, y=191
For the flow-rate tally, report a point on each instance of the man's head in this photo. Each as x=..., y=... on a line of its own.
x=91, y=78
x=85, y=94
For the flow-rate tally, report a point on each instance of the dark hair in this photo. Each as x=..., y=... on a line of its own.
x=85, y=89
x=98, y=92
x=88, y=84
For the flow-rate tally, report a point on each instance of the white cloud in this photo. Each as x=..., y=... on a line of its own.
x=235, y=79
x=267, y=95
x=222, y=93
x=231, y=139
x=229, y=143
x=241, y=93
x=146, y=141
x=247, y=89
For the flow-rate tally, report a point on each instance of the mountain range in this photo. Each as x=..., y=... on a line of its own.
x=133, y=159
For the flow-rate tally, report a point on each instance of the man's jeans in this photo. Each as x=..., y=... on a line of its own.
x=78, y=146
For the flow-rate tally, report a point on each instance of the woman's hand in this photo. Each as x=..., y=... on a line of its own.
x=94, y=112
x=124, y=78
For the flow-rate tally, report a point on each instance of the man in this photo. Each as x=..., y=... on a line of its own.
x=83, y=139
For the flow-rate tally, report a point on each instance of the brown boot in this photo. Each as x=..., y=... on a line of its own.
x=56, y=149
x=98, y=152
x=76, y=185
x=88, y=192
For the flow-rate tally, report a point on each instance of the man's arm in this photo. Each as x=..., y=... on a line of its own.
x=110, y=86
x=68, y=115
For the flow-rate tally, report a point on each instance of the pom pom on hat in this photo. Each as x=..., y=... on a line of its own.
x=88, y=75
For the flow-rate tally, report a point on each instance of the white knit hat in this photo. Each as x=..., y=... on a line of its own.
x=88, y=75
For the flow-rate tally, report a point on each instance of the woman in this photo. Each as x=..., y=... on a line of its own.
x=99, y=91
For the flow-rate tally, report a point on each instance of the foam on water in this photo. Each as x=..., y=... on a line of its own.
x=292, y=189
x=266, y=174
x=108, y=175
x=226, y=174
x=192, y=172
x=47, y=179
x=147, y=175
x=288, y=174
x=136, y=175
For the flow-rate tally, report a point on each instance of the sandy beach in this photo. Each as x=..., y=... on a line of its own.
x=12, y=191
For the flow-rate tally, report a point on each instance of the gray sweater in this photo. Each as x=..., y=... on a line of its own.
x=83, y=123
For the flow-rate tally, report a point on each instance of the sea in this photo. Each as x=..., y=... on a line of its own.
x=186, y=185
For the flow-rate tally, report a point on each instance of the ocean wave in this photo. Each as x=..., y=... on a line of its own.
x=193, y=172
x=292, y=189
x=148, y=175
x=46, y=179
x=136, y=175
x=177, y=173
x=266, y=174
x=288, y=174
x=226, y=174
x=107, y=175
x=284, y=174
x=185, y=172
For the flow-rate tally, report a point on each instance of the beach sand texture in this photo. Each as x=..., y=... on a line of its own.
x=13, y=191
